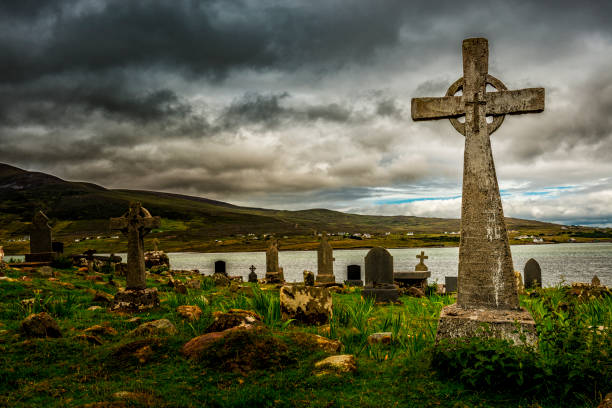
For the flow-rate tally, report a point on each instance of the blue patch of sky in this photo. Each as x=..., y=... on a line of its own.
x=412, y=200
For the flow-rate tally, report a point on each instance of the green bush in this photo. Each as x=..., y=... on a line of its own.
x=572, y=361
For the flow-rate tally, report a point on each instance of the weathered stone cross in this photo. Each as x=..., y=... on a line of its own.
x=422, y=257
x=136, y=223
x=252, y=268
x=486, y=276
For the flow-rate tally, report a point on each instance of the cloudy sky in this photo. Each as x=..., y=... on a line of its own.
x=306, y=104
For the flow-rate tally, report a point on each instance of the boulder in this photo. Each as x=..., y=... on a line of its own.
x=221, y=279
x=138, y=351
x=189, y=312
x=101, y=330
x=194, y=284
x=343, y=363
x=179, y=287
x=606, y=402
x=155, y=328
x=306, y=304
x=90, y=338
x=156, y=258
x=44, y=271
x=102, y=297
x=314, y=341
x=195, y=347
x=234, y=318
x=413, y=291
x=380, y=338
x=40, y=325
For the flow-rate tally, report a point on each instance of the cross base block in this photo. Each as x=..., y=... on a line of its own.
x=456, y=322
x=135, y=300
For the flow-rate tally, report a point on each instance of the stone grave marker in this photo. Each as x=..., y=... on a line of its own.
x=418, y=278
x=325, y=262
x=532, y=274
x=41, y=249
x=136, y=223
x=450, y=284
x=379, y=276
x=220, y=267
x=274, y=273
x=252, y=275
x=486, y=275
x=89, y=256
x=353, y=275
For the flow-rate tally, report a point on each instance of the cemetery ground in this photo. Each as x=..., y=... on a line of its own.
x=101, y=358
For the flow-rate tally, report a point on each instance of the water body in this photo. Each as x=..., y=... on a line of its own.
x=559, y=262
x=569, y=262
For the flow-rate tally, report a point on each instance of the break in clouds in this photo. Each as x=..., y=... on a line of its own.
x=300, y=105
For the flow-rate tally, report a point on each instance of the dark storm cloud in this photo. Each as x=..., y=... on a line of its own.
x=293, y=103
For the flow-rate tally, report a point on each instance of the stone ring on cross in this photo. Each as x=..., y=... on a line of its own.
x=497, y=120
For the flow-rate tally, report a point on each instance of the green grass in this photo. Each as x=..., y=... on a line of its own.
x=72, y=372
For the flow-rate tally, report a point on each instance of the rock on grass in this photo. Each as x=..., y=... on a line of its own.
x=155, y=328
x=40, y=325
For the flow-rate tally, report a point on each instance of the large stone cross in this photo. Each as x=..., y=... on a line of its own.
x=136, y=223
x=486, y=273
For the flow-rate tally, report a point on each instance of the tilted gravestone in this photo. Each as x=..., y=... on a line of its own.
x=353, y=275
x=274, y=273
x=379, y=276
x=532, y=274
x=41, y=247
x=135, y=224
x=325, y=262
x=486, y=274
x=220, y=267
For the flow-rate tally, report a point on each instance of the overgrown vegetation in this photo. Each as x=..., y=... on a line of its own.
x=273, y=367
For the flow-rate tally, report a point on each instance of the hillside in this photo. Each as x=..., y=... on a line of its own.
x=78, y=210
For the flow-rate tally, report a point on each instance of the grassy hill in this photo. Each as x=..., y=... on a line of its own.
x=79, y=210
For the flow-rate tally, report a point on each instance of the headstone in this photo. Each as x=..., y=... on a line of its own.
x=532, y=274
x=274, y=273
x=41, y=249
x=486, y=274
x=309, y=278
x=379, y=276
x=89, y=255
x=252, y=275
x=353, y=275
x=418, y=278
x=594, y=282
x=136, y=223
x=220, y=267
x=421, y=265
x=325, y=262
x=450, y=284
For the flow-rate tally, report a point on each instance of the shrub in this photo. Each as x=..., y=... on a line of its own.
x=62, y=261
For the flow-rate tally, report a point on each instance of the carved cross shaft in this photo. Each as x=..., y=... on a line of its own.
x=486, y=273
x=422, y=256
x=136, y=223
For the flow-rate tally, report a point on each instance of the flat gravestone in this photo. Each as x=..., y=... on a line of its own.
x=532, y=274
x=353, y=275
x=486, y=274
x=379, y=276
x=135, y=224
x=41, y=247
x=325, y=262
x=220, y=267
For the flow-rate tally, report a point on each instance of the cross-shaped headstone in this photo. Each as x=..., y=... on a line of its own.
x=136, y=223
x=486, y=273
x=422, y=257
x=252, y=268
